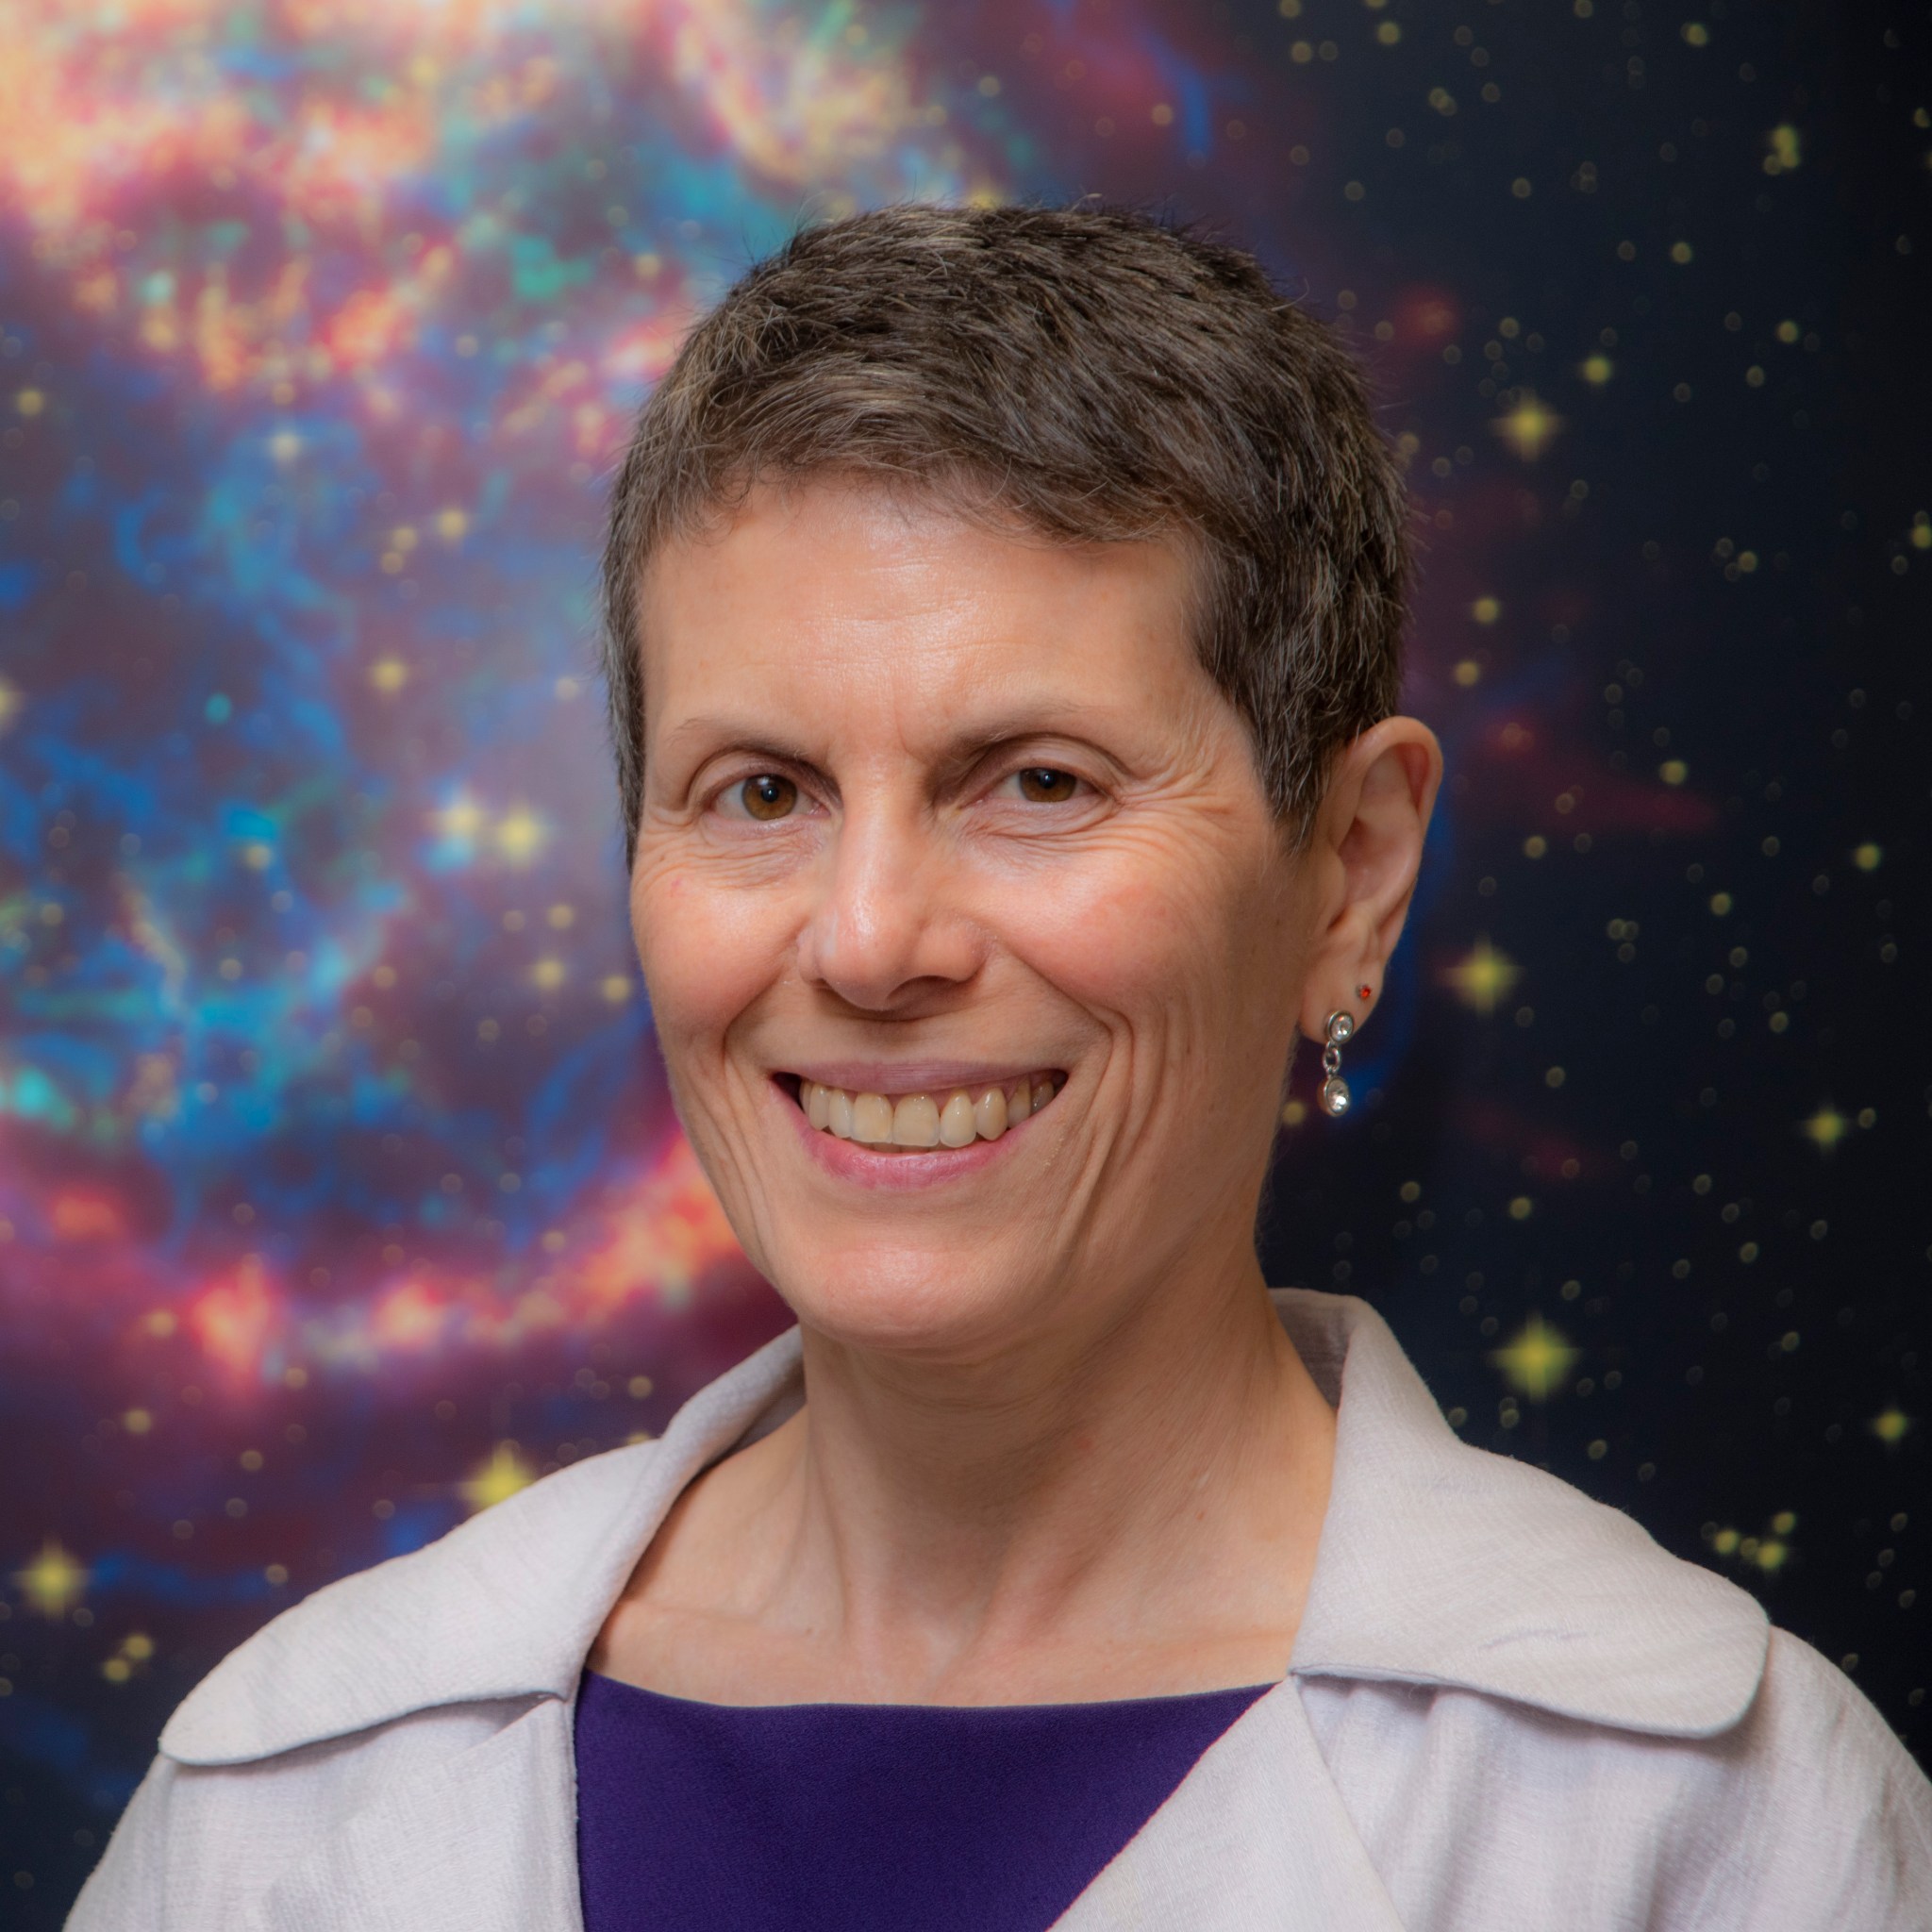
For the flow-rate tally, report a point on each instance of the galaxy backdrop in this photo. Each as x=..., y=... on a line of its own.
x=339, y=1193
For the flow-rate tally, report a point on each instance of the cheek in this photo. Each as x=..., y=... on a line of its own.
x=707, y=954
x=1113, y=949
x=1161, y=938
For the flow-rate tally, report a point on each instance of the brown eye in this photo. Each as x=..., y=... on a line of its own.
x=1043, y=785
x=768, y=797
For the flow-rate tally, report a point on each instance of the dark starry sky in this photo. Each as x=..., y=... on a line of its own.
x=1739, y=589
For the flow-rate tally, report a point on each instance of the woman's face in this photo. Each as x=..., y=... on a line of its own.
x=932, y=812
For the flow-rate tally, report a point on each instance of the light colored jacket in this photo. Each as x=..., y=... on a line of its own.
x=1507, y=1707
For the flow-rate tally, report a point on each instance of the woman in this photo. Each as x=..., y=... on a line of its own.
x=1004, y=651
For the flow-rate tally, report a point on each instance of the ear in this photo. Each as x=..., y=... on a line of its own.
x=1366, y=851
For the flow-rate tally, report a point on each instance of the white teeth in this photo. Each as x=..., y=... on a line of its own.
x=923, y=1120
x=916, y=1122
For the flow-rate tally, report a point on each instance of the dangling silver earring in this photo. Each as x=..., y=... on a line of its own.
x=1335, y=1089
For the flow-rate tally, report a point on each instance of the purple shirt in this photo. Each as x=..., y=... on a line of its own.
x=792, y=1817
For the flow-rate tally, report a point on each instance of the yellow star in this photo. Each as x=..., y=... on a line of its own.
x=1827, y=1127
x=519, y=836
x=504, y=1474
x=1537, y=1362
x=53, y=1582
x=1891, y=1427
x=1483, y=976
x=1529, y=428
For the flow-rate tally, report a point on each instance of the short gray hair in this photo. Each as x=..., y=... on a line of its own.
x=1092, y=371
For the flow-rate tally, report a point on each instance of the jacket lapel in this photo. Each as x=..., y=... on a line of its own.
x=1254, y=1837
x=489, y=1846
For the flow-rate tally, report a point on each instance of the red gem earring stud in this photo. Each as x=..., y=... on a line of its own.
x=1361, y=992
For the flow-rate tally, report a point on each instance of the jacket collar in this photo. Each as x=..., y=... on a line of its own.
x=505, y=1606
x=1444, y=1564
x=1438, y=1564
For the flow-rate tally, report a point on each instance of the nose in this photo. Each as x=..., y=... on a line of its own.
x=886, y=929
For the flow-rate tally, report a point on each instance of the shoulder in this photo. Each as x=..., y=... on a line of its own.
x=1805, y=1814
x=1823, y=1763
x=1811, y=1813
x=200, y=1844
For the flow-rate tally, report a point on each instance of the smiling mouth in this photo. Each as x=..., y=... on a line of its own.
x=913, y=1123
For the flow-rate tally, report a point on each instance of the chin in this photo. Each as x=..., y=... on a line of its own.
x=912, y=1300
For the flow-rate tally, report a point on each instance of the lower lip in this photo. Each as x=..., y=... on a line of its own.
x=925, y=1167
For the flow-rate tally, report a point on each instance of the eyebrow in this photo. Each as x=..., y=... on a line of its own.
x=732, y=731
x=971, y=740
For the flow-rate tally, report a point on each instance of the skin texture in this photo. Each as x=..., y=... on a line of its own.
x=1056, y=1446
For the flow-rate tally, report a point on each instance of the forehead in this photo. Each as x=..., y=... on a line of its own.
x=841, y=593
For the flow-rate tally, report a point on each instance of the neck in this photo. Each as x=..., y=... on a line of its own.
x=1153, y=1488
